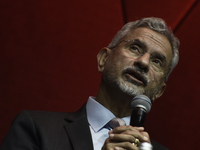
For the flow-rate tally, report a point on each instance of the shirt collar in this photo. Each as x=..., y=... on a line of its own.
x=98, y=116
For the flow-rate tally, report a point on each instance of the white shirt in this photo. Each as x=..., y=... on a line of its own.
x=98, y=116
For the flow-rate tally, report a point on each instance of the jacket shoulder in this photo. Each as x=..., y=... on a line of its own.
x=43, y=129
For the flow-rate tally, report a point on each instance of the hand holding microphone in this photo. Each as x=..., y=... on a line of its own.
x=129, y=137
x=140, y=105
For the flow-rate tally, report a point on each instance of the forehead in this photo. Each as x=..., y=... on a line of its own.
x=152, y=40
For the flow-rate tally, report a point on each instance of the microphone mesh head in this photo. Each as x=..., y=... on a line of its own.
x=141, y=101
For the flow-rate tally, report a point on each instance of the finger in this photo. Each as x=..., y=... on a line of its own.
x=129, y=134
x=145, y=134
x=128, y=138
x=122, y=138
x=112, y=145
x=121, y=129
x=120, y=146
x=126, y=146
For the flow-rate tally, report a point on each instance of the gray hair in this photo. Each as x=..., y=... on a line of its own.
x=157, y=25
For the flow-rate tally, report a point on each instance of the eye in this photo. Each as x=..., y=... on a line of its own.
x=135, y=49
x=157, y=62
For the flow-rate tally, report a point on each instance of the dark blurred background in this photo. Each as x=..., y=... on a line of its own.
x=48, y=61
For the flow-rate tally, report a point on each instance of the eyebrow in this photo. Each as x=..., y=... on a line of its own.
x=141, y=44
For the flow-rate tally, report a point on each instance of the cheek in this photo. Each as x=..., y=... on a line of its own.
x=121, y=57
x=125, y=61
x=152, y=76
x=120, y=61
x=155, y=77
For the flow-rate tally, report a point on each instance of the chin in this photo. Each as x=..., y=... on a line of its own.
x=131, y=89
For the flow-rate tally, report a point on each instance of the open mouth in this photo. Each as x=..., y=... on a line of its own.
x=136, y=77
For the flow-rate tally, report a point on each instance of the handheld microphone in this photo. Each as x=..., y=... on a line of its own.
x=140, y=106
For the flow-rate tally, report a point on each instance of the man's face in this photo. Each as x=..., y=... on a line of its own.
x=139, y=63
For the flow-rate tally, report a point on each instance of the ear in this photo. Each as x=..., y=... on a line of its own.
x=160, y=92
x=102, y=57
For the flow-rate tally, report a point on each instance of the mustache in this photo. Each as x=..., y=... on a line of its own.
x=137, y=73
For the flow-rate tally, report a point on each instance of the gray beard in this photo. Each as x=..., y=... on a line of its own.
x=126, y=86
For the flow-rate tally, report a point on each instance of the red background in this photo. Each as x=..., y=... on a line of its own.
x=48, y=60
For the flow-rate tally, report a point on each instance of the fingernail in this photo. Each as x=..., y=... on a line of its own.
x=117, y=148
x=140, y=128
x=145, y=138
x=110, y=131
x=111, y=135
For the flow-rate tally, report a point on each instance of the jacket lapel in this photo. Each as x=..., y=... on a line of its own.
x=77, y=128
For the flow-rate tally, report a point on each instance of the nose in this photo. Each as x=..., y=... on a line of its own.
x=143, y=62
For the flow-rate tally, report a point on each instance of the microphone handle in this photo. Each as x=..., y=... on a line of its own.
x=138, y=117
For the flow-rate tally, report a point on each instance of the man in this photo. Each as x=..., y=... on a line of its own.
x=137, y=61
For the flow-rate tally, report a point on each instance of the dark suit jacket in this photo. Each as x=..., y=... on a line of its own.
x=41, y=130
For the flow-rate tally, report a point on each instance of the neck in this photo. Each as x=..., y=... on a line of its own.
x=114, y=100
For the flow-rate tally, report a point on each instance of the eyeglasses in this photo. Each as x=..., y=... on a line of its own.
x=137, y=49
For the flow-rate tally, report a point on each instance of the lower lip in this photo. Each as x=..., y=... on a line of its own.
x=134, y=79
